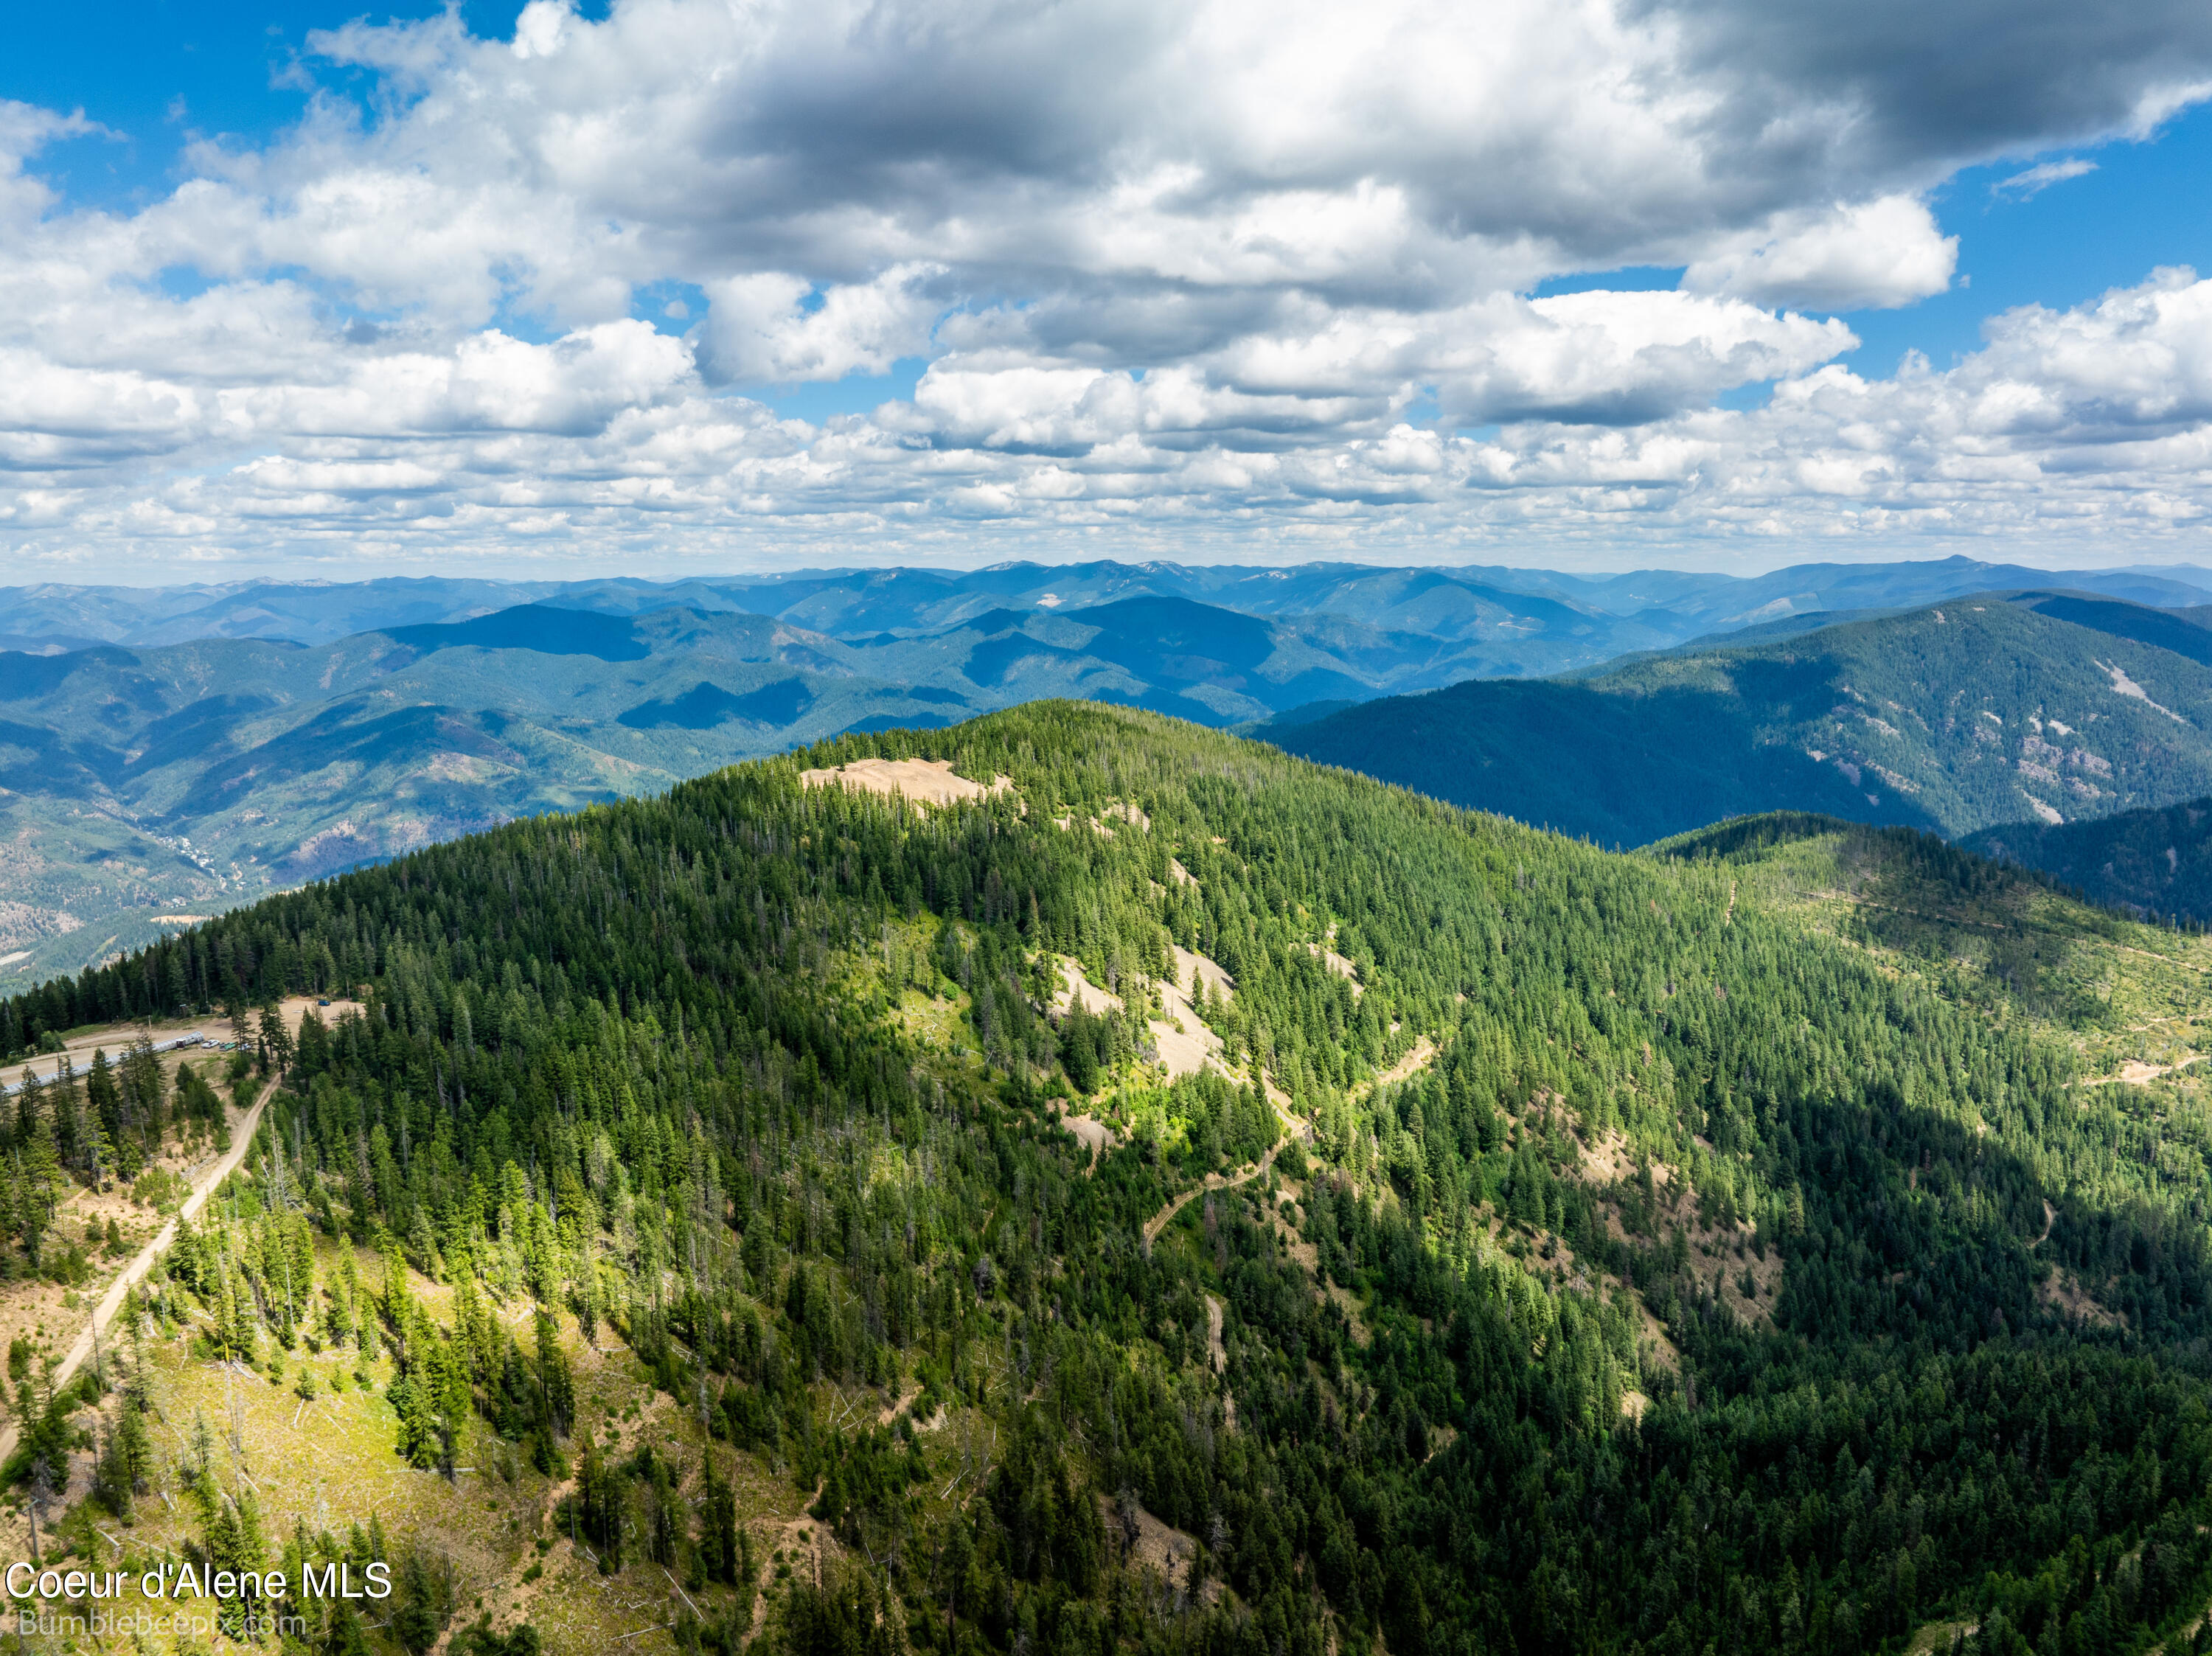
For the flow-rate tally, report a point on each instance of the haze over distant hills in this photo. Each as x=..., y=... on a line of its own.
x=170, y=752
x=1527, y=620
x=148, y=782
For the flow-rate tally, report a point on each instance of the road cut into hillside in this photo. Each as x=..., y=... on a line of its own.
x=242, y=1131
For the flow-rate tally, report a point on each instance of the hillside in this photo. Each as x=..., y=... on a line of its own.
x=1956, y=717
x=2157, y=863
x=140, y=783
x=1164, y=1196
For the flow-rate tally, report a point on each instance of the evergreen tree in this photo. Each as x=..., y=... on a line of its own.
x=557, y=1386
x=720, y=1554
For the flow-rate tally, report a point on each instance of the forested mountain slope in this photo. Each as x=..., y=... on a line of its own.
x=1582, y=1252
x=1956, y=717
x=2156, y=862
x=193, y=758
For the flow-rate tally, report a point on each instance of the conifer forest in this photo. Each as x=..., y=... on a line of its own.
x=1130, y=1191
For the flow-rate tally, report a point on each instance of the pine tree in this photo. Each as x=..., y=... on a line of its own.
x=103, y=1098
x=599, y=1502
x=42, y=1179
x=450, y=1394
x=420, y=1608
x=142, y=1092
x=419, y=1443
x=556, y=1385
x=275, y=1048
x=67, y=1119
x=134, y=1446
x=719, y=1551
x=30, y=1107
x=233, y=1542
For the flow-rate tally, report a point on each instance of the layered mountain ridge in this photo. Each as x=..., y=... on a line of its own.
x=1957, y=717
x=145, y=781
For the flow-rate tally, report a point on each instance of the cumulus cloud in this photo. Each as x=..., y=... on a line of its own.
x=1867, y=255
x=773, y=326
x=1212, y=269
x=1625, y=358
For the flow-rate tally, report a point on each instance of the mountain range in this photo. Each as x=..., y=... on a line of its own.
x=166, y=753
x=146, y=783
x=1519, y=622
x=1956, y=717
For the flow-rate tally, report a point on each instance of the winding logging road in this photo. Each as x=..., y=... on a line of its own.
x=241, y=1140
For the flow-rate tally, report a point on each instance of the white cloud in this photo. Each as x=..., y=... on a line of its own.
x=1872, y=254
x=2036, y=180
x=1205, y=267
x=760, y=327
x=1616, y=358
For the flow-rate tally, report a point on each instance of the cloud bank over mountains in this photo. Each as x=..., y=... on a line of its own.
x=1215, y=279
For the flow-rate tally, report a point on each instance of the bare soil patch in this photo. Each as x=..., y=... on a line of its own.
x=2063, y=1290
x=1185, y=1044
x=918, y=781
x=1150, y=1544
x=1423, y=1055
x=1077, y=990
x=1090, y=1131
x=1726, y=1254
x=1337, y=963
x=2136, y=1073
x=1606, y=1159
x=1191, y=969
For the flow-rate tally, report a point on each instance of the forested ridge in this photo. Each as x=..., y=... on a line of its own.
x=2156, y=862
x=1978, y=710
x=1694, y=1281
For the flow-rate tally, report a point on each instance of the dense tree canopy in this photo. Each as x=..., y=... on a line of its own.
x=1658, y=1275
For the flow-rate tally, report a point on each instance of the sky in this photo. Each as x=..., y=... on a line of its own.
x=664, y=286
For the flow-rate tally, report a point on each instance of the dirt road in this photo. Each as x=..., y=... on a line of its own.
x=1158, y=1222
x=134, y=1272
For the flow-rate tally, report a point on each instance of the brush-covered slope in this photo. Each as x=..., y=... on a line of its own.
x=1468, y=1239
x=1956, y=717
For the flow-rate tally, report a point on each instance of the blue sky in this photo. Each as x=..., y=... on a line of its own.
x=1068, y=321
x=2147, y=205
x=154, y=70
